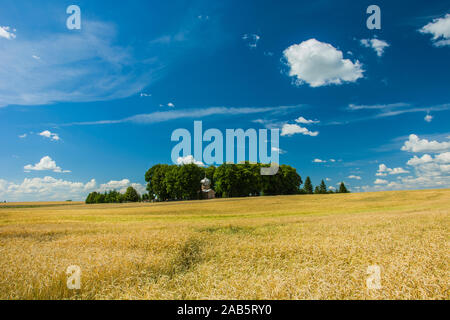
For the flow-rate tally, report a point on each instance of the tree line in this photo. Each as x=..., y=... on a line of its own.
x=113, y=196
x=174, y=182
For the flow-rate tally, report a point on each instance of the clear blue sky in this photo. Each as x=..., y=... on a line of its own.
x=93, y=109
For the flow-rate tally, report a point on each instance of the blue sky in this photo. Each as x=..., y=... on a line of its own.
x=93, y=109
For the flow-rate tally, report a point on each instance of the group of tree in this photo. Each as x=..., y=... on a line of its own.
x=182, y=182
x=322, y=188
x=173, y=182
x=113, y=196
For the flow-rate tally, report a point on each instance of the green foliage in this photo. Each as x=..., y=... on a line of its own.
x=323, y=188
x=113, y=196
x=343, y=188
x=131, y=195
x=228, y=180
x=308, y=187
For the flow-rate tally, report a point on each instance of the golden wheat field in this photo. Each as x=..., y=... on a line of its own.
x=283, y=247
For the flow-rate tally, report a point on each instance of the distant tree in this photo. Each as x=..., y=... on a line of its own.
x=131, y=195
x=317, y=190
x=308, y=187
x=342, y=188
x=291, y=180
x=189, y=176
x=323, y=188
x=156, y=184
x=209, y=173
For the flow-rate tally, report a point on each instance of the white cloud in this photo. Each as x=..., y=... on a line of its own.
x=36, y=57
x=23, y=136
x=429, y=172
x=42, y=189
x=354, y=177
x=319, y=161
x=7, y=33
x=440, y=29
x=375, y=44
x=426, y=158
x=280, y=151
x=188, y=160
x=319, y=64
x=306, y=121
x=251, y=39
x=143, y=94
x=415, y=144
x=73, y=63
x=428, y=118
x=121, y=186
x=379, y=106
x=380, y=181
x=332, y=188
x=332, y=160
x=49, y=135
x=291, y=129
x=45, y=164
x=170, y=104
x=327, y=179
x=162, y=116
x=49, y=188
x=383, y=170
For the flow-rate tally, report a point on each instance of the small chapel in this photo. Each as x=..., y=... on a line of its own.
x=207, y=192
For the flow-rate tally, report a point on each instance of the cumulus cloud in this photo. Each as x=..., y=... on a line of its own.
x=170, y=104
x=375, y=44
x=440, y=30
x=291, y=129
x=188, y=160
x=45, y=164
x=428, y=118
x=415, y=144
x=7, y=33
x=306, y=121
x=42, y=189
x=429, y=171
x=354, y=177
x=319, y=160
x=383, y=170
x=380, y=181
x=49, y=188
x=23, y=136
x=318, y=64
x=121, y=186
x=49, y=135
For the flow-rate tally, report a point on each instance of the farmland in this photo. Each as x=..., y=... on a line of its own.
x=280, y=247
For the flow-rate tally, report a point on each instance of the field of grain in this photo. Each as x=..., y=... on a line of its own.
x=284, y=247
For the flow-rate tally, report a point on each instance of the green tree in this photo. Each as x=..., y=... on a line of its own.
x=308, y=187
x=342, y=188
x=323, y=188
x=189, y=176
x=131, y=195
x=291, y=180
x=156, y=183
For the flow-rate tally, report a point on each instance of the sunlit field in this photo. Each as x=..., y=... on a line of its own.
x=283, y=247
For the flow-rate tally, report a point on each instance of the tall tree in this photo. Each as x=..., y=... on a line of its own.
x=343, y=188
x=323, y=188
x=308, y=187
x=131, y=195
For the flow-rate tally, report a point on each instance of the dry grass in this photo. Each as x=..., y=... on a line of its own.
x=286, y=247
